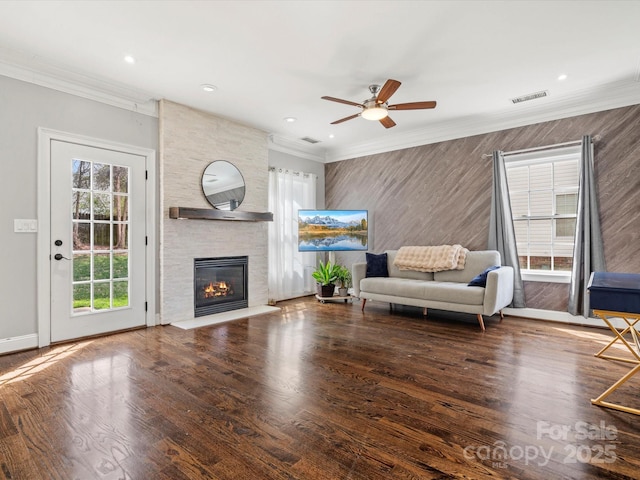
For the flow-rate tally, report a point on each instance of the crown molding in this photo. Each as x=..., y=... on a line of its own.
x=608, y=97
x=35, y=71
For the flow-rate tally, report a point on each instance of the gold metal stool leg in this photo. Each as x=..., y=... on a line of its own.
x=600, y=400
x=631, y=320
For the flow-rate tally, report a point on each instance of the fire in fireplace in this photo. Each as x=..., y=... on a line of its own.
x=219, y=289
x=220, y=284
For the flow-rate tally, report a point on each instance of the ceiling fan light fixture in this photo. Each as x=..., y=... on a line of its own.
x=377, y=107
x=377, y=112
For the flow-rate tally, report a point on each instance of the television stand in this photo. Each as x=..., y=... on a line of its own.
x=334, y=298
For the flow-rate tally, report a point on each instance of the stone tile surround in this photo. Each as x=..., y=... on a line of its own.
x=189, y=140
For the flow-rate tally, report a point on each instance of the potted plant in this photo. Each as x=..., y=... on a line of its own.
x=344, y=280
x=325, y=276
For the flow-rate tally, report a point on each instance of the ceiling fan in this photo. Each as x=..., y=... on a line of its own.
x=377, y=108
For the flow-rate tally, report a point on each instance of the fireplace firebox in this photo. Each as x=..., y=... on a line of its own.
x=220, y=285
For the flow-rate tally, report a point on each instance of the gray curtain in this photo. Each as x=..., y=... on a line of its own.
x=502, y=236
x=588, y=251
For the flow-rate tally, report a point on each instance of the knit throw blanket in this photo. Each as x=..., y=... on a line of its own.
x=431, y=258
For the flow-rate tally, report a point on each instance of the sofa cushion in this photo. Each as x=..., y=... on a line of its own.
x=446, y=292
x=453, y=292
x=377, y=265
x=480, y=280
x=396, y=272
x=397, y=287
x=475, y=263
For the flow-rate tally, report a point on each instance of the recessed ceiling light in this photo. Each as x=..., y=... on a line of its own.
x=129, y=59
x=208, y=87
x=331, y=135
x=562, y=77
x=290, y=119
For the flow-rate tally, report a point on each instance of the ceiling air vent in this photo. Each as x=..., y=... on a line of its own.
x=310, y=140
x=531, y=96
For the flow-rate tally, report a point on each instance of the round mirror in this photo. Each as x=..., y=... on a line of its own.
x=223, y=185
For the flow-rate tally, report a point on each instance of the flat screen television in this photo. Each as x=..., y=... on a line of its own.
x=332, y=230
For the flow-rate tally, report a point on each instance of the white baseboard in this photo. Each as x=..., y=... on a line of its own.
x=14, y=344
x=561, y=317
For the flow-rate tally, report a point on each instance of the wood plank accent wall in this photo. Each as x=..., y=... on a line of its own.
x=440, y=193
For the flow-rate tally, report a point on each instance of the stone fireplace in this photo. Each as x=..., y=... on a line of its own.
x=220, y=284
x=189, y=141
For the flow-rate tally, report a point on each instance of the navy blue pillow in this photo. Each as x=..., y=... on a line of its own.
x=481, y=280
x=377, y=265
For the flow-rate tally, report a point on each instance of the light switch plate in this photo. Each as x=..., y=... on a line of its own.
x=22, y=225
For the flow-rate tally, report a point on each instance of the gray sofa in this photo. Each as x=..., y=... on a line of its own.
x=446, y=290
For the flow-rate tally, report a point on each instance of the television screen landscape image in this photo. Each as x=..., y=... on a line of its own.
x=332, y=230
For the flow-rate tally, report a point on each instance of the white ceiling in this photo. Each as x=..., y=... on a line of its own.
x=274, y=59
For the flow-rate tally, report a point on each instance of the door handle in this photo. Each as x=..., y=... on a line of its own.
x=59, y=256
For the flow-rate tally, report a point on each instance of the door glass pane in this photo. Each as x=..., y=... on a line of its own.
x=81, y=205
x=101, y=177
x=120, y=208
x=102, y=296
x=120, y=236
x=121, y=265
x=102, y=266
x=81, y=267
x=81, y=171
x=101, y=206
x=81, y=236
x=120, y=294
x=82, y=297
x=121, y=179
x=101, y=236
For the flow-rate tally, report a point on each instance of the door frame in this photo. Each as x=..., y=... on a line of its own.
x=43, y=247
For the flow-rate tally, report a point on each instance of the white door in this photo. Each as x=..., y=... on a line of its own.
x=97, y=240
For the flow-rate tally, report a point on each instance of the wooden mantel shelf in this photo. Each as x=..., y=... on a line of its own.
x=213, y=214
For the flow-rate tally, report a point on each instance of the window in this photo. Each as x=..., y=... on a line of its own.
x=543, y=189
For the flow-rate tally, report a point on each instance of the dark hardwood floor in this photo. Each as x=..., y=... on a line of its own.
x=321, y=391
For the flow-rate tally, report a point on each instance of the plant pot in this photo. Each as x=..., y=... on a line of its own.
x=342, y=291
x=326, y=290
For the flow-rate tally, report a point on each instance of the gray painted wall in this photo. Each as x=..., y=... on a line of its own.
x=23, y=108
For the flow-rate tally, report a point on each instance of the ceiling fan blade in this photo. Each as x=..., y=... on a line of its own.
x=350, y=117
x=413, y=106
x=339, y=100
x=388, y=89
x=387, y=122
